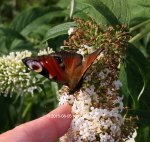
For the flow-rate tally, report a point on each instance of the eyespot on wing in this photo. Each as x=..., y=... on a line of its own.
x=32, y=64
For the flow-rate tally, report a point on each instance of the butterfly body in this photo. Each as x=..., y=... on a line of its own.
x=63, y=67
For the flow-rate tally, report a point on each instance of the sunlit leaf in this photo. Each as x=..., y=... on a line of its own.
x=113, y=12
x=58, y=30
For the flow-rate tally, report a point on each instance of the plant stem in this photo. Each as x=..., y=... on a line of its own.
x=54, y=88
x=140, y=35
x=72, y=7
x=139, y=25
x=26, y=110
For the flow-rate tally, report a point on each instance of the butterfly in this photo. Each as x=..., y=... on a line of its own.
x=67, y=68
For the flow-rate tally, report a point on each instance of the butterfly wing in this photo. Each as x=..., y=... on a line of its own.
x=82, y=68
x=89, y=59
x=58, y=66
x=52, y=65
x=71, y=61
x=63, y=67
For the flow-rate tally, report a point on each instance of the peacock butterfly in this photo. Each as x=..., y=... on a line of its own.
x=63, y=67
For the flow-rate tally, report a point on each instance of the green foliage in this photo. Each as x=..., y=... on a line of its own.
x=34, y=26
x=103, y=9
x=58, y=30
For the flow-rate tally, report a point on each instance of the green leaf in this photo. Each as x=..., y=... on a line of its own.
x=139, y=11
x=142, y=64
x=56, y=42
x=123, y=76
x=20, y=45
x=12, y=40
x=42, y=20
x=84, y=10
x=147, y=43
x=132, y=82
x=31, y=20
x=135, y=75
x=114, y=12
x=63, y=3
x=33, y=24
x=10, y=33
x=58, y=30
x=7, y=37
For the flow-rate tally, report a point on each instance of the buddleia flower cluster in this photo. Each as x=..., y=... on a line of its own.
x=14, y=76
x=97, y=107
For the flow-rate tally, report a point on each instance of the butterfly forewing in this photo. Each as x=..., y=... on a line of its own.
x=50, y=68
x=82, y=68
x=56, y=72
x=90, y=59
x=71, y=61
